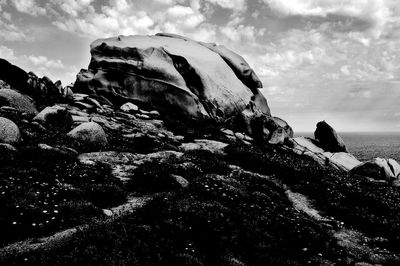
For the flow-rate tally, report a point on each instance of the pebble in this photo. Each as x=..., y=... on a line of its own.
x=239, y=136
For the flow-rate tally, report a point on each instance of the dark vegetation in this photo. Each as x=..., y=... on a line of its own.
x=225, y=217
x=373, y=208
x=43, y=191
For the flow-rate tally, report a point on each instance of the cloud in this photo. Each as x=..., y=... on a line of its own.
x=43, y=61
x=6, y=53
x=10, y=32
x=236, y=5
x=360, y=93
x=73, y=7
x=375, y=13
x=29, y=7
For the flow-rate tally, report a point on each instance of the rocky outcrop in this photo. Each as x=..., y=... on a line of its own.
x=308, y=147
x=379, y=169
x=55, y=117
x=16, y=100
x=175, y=75
x=328, y=139
x=43, y=90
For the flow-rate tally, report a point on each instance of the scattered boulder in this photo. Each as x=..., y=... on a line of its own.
x=129, y=107
x=9, y=131
x=177, y=76
x=379, y=169
x=283, y=124
x=273, y=123
x=55, y=118
x=18, y=101
x=278, y=136
x=180, y=181
x=8, y=152
x=328, y=139
x=89, y=136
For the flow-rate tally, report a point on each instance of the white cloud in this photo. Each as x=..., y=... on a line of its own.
x=73, y=7
x=374, y=12
x=237, y=5
x=6, y=53
x=10, y=32
x=345, y=70
x=43, y=61
x=29, y=7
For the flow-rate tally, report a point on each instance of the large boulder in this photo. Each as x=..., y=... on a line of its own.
x=176, y=75
x=18, y=101
x=89, y=136
x=379, y=169
x=328, y=139
x=9, y=131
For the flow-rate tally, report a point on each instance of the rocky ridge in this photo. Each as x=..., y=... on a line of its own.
x=238, y=192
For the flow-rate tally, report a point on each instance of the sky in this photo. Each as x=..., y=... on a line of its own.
x=333, y=60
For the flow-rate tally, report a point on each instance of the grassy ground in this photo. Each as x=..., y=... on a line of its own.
x=44, y=191
x=369, y=207
x=225, y=217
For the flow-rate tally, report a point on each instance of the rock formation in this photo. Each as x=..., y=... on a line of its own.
x=174, y=74
x=379, y=169
x=328, y=139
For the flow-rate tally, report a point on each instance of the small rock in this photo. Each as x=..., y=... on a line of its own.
x=278, y=136
x=182, y=182
x=8, y=109
x=129, y=107
x=133, y=135
x=154, y=113
x=8, y=153
x=213, y=146
x=83, y=105
x=9, y=131
x=80, y=119
x=143, y=116
x=239, y=136
x=228, y=132
x=79, y=97
x=179, y=138
x=248, y=138
x=94, y=102
x=89, y=136
x=107, y=212
x=38, y=127
x=55, y=117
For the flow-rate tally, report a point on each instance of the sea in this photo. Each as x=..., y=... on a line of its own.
x=368, y=145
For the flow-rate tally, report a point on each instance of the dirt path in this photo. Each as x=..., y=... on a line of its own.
x=61, y=238
x=360, y=248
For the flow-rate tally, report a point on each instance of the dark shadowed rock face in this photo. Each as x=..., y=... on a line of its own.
x=328, y=139
x=18, y=101
x=176, y=75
